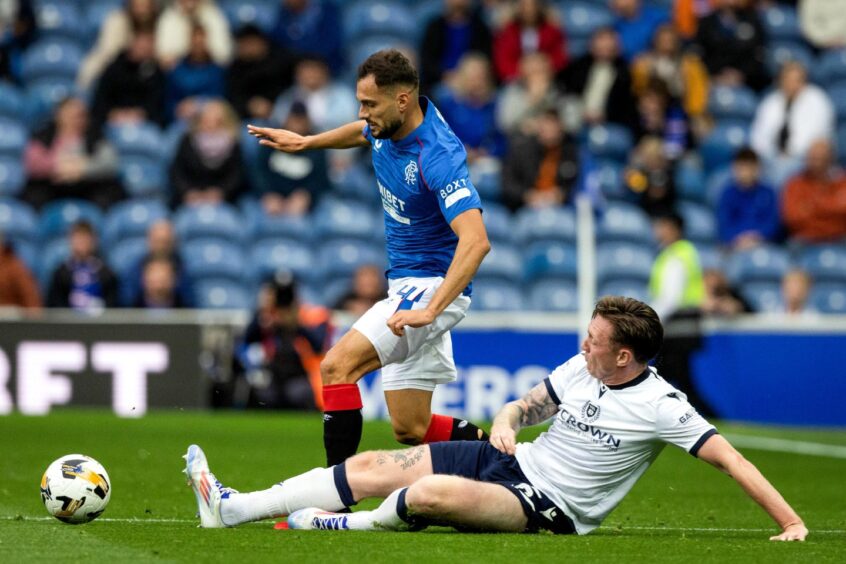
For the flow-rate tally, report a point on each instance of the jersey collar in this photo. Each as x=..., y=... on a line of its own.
x=633, y=382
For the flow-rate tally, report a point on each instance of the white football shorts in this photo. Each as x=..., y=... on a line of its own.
x=422, y=357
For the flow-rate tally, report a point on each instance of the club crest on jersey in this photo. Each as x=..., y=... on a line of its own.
x=411, y=173
x=590, y=412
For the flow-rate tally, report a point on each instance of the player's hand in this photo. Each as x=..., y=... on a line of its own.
x=795, y=532
x=279, y=139
x=411, y=318
x=504, y=439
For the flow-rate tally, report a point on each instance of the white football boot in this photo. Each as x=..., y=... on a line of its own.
x=312, y=518
x=207, y=488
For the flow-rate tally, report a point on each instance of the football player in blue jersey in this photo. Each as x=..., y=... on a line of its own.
x=436, y=241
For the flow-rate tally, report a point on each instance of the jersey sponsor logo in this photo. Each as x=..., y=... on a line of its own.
x=411, y=173
x=687, y=416
x=590, y=412
x=392, y=205
x=455, y=191
x=594, y=434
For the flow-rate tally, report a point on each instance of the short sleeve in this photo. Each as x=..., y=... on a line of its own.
x=678, y=423
x=366, y=133
x=560, y=378
x=448, y=177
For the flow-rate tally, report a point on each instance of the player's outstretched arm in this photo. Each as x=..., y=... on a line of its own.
x=533, y=408
x=344, y=137
x=718, y=452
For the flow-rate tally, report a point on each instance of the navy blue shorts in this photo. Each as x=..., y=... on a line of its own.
x=478, y=460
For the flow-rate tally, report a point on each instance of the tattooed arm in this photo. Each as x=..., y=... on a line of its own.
x=533, y=408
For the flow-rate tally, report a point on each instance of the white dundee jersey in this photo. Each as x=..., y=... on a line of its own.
x=604, y=438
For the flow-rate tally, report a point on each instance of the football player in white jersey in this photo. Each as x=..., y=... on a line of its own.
x=612, y=416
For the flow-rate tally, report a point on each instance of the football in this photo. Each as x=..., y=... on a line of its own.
x=75, y=489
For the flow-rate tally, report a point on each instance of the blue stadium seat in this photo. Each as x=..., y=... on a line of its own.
x=498, y=223
x=52, y=255
x=504, y=262
x=825, y=263
x=550, y=260
x=829, y=298
x=18, y=220
x=781, y=23
x=763, y=297
x=343, y=219
x=628, y=261
x=832, y=66
x=272, y=255
x=222, y=294
x=841, y=143
x=261, y=13
x=340, y=258
x=765, y=263
x=143, y=177
x=27, y=252
x=12, y=176
x=95, y=13
x=553, y=295
x=61, y=20
x=836, y=91
x=124, y=257
x=690, y=180
x=728, y=102
x=44, y=93
x=359, y=49
x=58, y=216
x=546, y=224
x=51, y=58
x=13, y=104
x=716, y=183
x=213, y=258
x=13, y=138
x=222, y=221
x=581, y=19
x=626, y=223
x=275, y=226
x=608, y=174
x=139, y=140
x=710, y=256
x=610, y=141
x=700, y=225
x=636, y=289
x=780, y=52
x=719, y=147
x=497, y=296
x=427, y=10
x=371, y=17
x=332, y=291
x=132, y=218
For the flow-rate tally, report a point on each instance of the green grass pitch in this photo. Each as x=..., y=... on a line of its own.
x=682, y=510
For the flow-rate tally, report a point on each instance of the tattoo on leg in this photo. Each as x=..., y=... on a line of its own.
x=408, y=458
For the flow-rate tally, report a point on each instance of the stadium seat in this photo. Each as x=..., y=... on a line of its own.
x=13, y=138
x=780, y=52
x=427, y=10
x=359, y=49
x=763, y=297
x=332, y=291
x=143, y=177
x=52, y=254
x=581, y=19
x=18, y=220
x=550, y=260
x=27, y=252
x=498, y=223
x=261, y=13
x=213, y=258
x=610, y=141
x=626, y=223
x=13, y=105
x=504, y=262
x=781, y=23
x=131, y=218
x=289, y=227
x=58, y=216
x=95, y=13
x=335, y=218
x=51, y=58
x=139, y=140
x=124, y=257
x=700, y=225
x=728, y=102
x=608, y=175
x=690, y=179
x=61, y=20
x=636, y=289
x=272, y=255
x=719, y=147
x=497, y=296
x=370, y=17
x=832, y=66
x=553, y=295
x=825, y=263
x=710, y=256
x=222, y=221
x=829, y=298
x=44, y=93
x=545, y=224
x=840, y=141
x=765, y=263
x=12, y=176
x=222, y=294
x=340, y=258
x=628, y=261
x=716, y=183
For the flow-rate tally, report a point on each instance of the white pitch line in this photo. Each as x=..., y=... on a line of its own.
x=788, y=446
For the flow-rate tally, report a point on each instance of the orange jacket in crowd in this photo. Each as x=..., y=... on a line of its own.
x=17, y=286
x=815, y=210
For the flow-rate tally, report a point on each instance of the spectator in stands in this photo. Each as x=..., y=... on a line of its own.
x=732, y=44
x=687, y=13
x=17, y=286
x=823, y=22
x=258, y=74
x=660, y=116
x=682, y=72
x=814, y=201
x=636, y=24
x=161, y=244
x=159, y=285
x=17, y=31
x=289, y=183
x=530, y=29
x=116, y=34
x=650, y=177
x=279, y=356
x=197, y=76
x=468, y=104
x=83, y=281
x=311, y=27
x=721, y=299
x=329, y=103
x=207, y=168
x=459, y=29
x=522, y=101
x=541, y=169
x=174, y=31
x=788, y=120
x=795, y=290
x=599, y=83
x=132, y=88
x=368, y=287
x=747, y=212
x=70, y=159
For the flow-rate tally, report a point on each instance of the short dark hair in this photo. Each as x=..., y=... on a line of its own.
x=82, y=226
x=746, y=155
x=673, y=217
x=389, y=67
x=636, y=325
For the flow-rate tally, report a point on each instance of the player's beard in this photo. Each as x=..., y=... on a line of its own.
x=388, y=130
